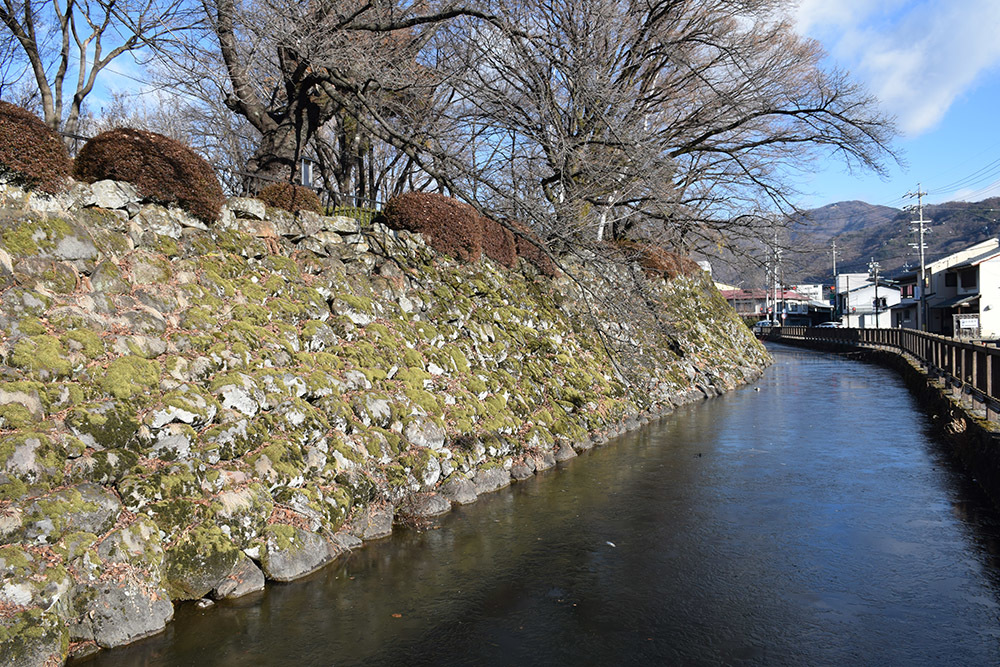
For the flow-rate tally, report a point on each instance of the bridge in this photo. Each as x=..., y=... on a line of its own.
x=970, y=371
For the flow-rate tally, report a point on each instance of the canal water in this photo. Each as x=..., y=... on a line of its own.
x=810, y=518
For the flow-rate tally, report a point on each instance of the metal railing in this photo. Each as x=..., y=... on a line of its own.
x=970, y=370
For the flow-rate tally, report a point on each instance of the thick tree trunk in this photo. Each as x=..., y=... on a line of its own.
x=277, y=157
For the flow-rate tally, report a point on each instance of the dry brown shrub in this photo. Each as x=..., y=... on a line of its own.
x=163, y=170
x=499, y=243
x=31, y=153
x=450, y=226
x=292, y=198
x=531, y=248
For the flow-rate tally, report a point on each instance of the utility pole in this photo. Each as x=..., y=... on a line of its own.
x=873, y=268
x=920, y=246
x=836, y=296
x=777, y=269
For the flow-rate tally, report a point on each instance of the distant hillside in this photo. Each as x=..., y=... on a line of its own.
x=863, y=231
x=843, y=217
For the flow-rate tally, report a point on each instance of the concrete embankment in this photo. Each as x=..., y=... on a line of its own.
x=187, y=411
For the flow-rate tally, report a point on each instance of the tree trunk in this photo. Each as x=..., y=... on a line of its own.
x=276, y=157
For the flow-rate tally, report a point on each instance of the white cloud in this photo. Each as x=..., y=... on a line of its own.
x=918, y=58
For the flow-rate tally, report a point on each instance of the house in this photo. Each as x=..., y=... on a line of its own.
x=793, y=308
x=845, y=282
x=966, y=302
x=869, y=306
x=962, y=296
x=904, y=313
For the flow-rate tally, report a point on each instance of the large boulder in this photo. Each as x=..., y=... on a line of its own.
x=372, y=523
x=113, y=613
x=422, y=505
x=290, y=552
x=491, y=479
x=244, y=579
x=459, y=490
x=199, y=561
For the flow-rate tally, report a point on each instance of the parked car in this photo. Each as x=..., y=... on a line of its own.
x=764, y=324
x=828, y=325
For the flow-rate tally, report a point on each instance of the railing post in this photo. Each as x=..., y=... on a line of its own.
x=975, y=374
x=989, y=382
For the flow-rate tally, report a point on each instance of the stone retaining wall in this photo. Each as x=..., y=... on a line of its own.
x=188, y=411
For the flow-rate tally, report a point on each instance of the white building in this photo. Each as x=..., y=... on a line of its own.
x=963, y=294
x=868, y=306
x=848, y=281
x=965, y=301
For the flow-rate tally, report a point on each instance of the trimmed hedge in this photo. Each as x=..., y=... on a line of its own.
x=292, y=198
x=499, y=244
x=451, y=227
x=530, y=247
x=163, y=170
x=31, y=152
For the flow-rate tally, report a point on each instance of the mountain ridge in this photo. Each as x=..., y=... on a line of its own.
x=865, y=231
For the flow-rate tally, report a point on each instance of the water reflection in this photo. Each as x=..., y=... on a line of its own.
x=812, y=522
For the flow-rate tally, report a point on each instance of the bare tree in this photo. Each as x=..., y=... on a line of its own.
x=67, y=43
x=315, y=78
x=679, y=119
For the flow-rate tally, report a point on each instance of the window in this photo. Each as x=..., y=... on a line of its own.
x=968, y=277
x=950, y=279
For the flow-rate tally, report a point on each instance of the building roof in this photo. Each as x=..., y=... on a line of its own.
x=783, y=295
x=963, y=256
x=955, y=301
x=881, y=283
x=977, y=260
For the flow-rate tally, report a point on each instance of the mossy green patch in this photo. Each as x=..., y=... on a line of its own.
x=43, y=356
x=33, y=236
x=16, y=416
x=251, y=314
x=31, y=326
x=427, y=401
x=85, y=341
x=130, y=375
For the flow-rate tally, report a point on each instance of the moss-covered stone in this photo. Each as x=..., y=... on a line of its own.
x=32, y=236
x=129, y=376
x=33, y=637
x=198, y=561
x=29, y=462
x=42, y=356
x=104, y=425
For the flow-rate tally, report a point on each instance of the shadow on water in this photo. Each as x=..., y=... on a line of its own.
x=809, y=519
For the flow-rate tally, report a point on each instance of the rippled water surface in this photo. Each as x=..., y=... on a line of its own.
x=812, y=521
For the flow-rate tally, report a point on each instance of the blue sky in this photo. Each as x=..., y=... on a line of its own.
x=935, y=65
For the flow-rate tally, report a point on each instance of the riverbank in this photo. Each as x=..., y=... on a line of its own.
x=972, y=439
x=189, y=411
x=737, y=530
